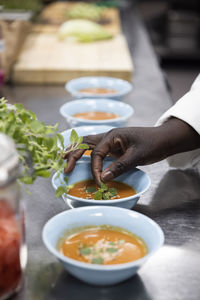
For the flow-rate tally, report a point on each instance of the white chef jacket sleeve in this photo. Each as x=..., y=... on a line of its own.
x=187, y=109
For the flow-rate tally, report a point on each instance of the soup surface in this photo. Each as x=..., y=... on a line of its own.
x=95, y=90
x=96, y=115
x=102, y=245
x=88, y=152
x=86, y=189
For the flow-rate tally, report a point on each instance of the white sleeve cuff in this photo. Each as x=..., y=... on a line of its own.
x=188, y=110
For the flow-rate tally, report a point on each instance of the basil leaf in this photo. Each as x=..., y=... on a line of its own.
x=74, y=137
x=83, y=146
x=104, y=186
x=85, y=251
x=121, y=242
x=43, y=173
x=98, y=195
x=111, y=250
x=90, y=189
x=66, y=179
x=113, y=192
x=97, y=260
x=60, y=190
x=39, y=140
x=106, y=196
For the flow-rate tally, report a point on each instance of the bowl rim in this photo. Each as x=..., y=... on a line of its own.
x=97, y=267
x=125, y=117
x=91, y=128
x=69, y=86
x=92, y=201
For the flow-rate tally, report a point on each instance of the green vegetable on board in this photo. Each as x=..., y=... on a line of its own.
x=83, y=31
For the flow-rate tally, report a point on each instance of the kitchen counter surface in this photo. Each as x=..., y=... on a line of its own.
x=173, y=199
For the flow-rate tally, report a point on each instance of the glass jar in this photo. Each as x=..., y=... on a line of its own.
x=12, y=254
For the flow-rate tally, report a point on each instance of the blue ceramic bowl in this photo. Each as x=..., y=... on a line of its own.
x=123, y=110
x=136, y=178
x=132, y=221
x=122, y=87
x=83, y=131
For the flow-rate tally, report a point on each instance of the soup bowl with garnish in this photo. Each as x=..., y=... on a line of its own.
x=98, y=87
x=87, y=112
x=81, y=189
x=102, y=245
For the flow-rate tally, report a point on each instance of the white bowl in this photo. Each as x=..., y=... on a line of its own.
x=132, y=221
x=123, y=110
x=122, y=87
x=135, y=178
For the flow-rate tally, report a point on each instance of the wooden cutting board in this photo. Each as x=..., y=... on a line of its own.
x=47, y=60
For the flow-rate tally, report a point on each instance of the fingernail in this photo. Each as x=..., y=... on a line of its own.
x=107, y=176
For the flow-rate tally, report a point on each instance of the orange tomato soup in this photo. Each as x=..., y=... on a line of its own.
x=94, y=90
x=88, y=152
x=80, y=189
x=95, y=115
x=104, y=244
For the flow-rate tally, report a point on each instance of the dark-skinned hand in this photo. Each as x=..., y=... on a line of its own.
x=135, y=146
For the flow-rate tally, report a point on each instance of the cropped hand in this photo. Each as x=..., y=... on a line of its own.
x=135, y=146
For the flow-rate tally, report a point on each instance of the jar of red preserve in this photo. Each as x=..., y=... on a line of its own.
x=12, y=254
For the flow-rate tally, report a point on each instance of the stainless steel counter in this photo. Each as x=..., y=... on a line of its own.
x=173, y=199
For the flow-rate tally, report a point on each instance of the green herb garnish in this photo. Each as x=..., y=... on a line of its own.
x=105, y=193
x=90, y=189
x=43, y=143
x=85, y=251
x=121, y=242
x=97, y=260
x=111, y=250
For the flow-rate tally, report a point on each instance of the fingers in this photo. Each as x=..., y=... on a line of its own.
x=121, y=165
x=109, y=144
x=72, y=157
x=97, y=156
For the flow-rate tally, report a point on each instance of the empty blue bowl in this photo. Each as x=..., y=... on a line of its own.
x=123, y=110
x=122, y=87
x=135, y=178
x=132, y=221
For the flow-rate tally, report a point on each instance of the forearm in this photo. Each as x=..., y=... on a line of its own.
x=178, y=136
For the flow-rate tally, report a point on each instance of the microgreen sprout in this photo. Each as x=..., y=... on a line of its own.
x=102, y=193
